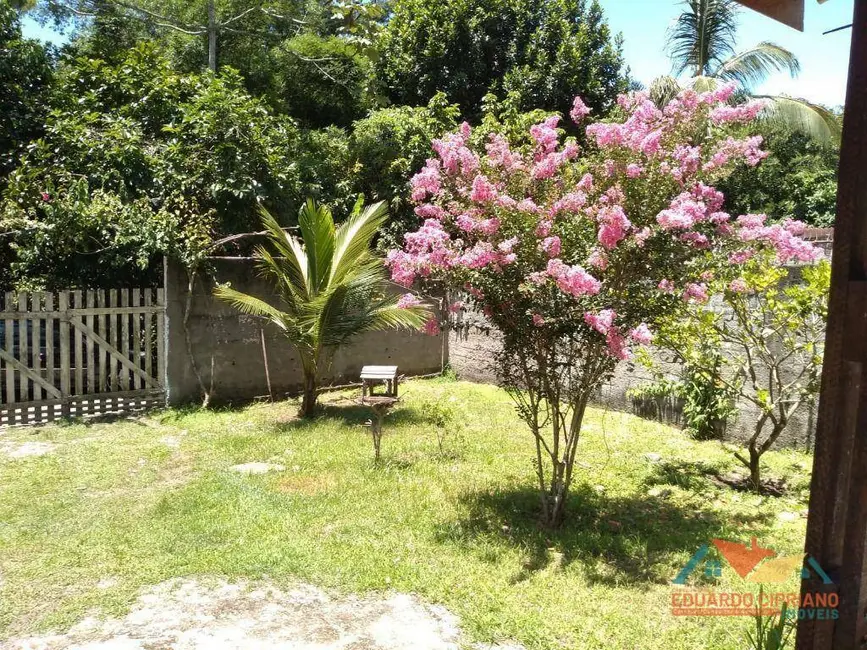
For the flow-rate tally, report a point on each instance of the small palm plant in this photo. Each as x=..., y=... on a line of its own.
x=331, y=287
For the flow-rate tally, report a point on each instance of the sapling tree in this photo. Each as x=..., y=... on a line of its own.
x=770, y=331
x=577, y=256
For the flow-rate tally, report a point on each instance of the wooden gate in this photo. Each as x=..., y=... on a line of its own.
x=74, y=353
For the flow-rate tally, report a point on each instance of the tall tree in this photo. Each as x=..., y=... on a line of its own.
x=537, y=52
x=207, y=21
x=702, y=44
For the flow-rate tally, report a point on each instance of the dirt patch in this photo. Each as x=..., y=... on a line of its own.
x=306, y=485
x=185, y=614
x=26, y=449
x=774, y=487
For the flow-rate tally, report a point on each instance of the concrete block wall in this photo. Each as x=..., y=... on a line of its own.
x=472, y=346
x=227, y=345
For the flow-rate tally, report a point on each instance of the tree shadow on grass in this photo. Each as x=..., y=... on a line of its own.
x=353, y=414
x=617, y=540
x=689, y=475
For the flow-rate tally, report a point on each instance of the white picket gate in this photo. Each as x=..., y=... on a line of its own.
x=74, y=353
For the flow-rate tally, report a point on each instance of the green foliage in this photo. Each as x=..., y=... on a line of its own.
x=331, y=287
x=138, y=161
x=798, y=180
x=706, y=402
x=25, y=74
x=770, y=336
x=539, y=53
x=327, y=168
x=446, y=417
x=321, y=81
x=772, y=632
x=389, y=146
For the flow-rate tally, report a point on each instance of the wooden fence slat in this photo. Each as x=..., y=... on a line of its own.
x=91, y=386
x=79, y=352
x=124, y=341
x=36, y=347
x=148, y=335
x=30, y=374
x=137, y=320
x=65, y=368
x=23, y=355
x=111, y=337
x=9, y=326
x=160, y=342
x=95, y=337
x=48, y=299
x=104, y=356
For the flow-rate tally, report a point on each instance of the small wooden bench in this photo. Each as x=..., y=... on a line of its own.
x=373, y=376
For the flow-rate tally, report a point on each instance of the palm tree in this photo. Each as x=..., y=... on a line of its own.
x=331, y=287
x=701, y=43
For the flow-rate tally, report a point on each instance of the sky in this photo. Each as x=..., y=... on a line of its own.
x=824, y=59
x=643, y=23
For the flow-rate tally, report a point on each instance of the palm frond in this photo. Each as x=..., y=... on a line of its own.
x=663, y=90
x=753, y=66
x=317, y=230
x=354, y=237
x=390, y=316
x=294, y=266
x=248, y=304
x=703, y=36
x=704, y=84
x=818, y=122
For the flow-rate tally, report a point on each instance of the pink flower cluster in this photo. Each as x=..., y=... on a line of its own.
x=579, y=110
x=618, y=345
x=456, y=157
x=613, y=226
x=736, y=114
x=533, y=222
x=551, y=246
x=784, y=238
x=731, y=150
x=573, y=280
x=408, y=300
x=427, y=181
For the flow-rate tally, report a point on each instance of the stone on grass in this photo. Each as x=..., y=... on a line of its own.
x=257, y=468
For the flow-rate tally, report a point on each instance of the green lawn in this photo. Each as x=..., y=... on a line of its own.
x=144, y=499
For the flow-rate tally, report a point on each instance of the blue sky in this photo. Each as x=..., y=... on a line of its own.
x=824, y=59
x=643, y=23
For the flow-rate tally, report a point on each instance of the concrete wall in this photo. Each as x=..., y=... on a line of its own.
x=472, y=344
x=227, y=346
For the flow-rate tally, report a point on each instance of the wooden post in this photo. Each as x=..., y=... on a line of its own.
x=65, y=366
x=837, y=524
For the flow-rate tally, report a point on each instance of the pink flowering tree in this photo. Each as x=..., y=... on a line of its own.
x=577, y=256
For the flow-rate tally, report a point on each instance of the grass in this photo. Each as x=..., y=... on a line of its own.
x=124, y=505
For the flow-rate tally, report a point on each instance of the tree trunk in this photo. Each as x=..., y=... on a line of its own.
x=308, y=400
x=755, y=469
x=562, y=468
x=212, y=37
